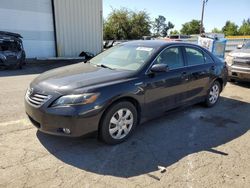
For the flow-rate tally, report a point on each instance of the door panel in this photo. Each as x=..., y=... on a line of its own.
x=166, y=90
x=198, y=71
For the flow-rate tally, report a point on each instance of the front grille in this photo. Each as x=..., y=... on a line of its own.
x=36, y=99
x=242, y=62
x=11, y=58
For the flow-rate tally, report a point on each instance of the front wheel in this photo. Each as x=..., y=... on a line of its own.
x=118, y=123
x=213, y=94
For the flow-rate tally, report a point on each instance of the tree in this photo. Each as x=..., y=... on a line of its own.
x=245, y=27
x=192, y=27
x=117, y=26
x=160, y=26
x=216, y=30
x=123, y=24
x=174, y=32
x=230, y=29
x=140, y=25
x=167, y=27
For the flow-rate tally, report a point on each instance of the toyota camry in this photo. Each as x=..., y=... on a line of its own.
x=123, y=87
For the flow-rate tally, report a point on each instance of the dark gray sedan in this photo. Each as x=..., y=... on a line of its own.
x=122, y=87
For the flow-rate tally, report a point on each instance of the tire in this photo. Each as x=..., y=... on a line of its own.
x=118, y=123
x=213, y=94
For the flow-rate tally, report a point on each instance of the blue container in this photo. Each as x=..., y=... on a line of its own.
x=219, y=48
x=216, y=46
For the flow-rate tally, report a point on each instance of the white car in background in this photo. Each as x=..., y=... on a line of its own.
x=238, y=62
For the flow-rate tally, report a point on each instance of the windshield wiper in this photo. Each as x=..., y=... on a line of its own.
x=104, y=66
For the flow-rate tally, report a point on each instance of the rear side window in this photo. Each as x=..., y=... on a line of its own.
x=208, y=59
x=194, y=56
x=171, y=57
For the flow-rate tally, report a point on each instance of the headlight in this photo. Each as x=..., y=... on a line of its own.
x=79, y=99
x=229, y=60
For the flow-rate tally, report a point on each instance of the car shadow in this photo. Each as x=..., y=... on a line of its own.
x=160, y=142
x=36, y=67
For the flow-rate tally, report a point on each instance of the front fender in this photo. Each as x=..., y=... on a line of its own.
x=123, y=91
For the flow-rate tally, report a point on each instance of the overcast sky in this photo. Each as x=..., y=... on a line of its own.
x=217, y=12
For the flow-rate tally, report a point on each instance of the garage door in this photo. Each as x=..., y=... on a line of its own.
x=78, y=26
x=34, y=21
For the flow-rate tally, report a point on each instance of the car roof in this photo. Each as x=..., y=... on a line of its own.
x=157, y=43
x=6, y=33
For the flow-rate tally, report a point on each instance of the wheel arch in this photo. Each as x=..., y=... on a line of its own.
x=221, y=82
x=130, y=99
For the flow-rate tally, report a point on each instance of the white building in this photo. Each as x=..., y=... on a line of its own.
x=54, y=27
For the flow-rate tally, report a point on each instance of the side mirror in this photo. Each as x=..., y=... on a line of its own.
x=239, y=46
x=159, y=68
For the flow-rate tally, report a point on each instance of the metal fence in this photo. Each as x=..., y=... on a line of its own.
x=231, y=43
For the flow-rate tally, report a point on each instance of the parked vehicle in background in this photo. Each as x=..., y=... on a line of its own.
x=123, y=86
x=178, y=37
x=238, y=62
x=111, y=43
x=86, y=55
x=12, y=53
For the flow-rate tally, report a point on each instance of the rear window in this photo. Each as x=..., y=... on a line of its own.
x=9, y=46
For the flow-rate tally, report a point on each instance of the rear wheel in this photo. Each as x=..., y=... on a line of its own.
x=213, y=94
x=118, y=123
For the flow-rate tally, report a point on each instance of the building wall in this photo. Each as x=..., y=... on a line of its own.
x=78, y=26
x=34, y=21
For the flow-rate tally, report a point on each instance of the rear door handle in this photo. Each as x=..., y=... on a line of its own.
x=212, y=68
x=184, y=75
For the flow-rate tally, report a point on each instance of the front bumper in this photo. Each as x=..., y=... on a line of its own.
x=239, y=73
x=53, y=120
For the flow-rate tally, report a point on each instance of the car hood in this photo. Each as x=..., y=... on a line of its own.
x=73, y=77
x=242, y=53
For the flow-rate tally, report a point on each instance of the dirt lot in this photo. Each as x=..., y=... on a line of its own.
x=199, y=147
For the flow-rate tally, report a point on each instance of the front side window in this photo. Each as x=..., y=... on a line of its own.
x=194, y=56
x=171, y=57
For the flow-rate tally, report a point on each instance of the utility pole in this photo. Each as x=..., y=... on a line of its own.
x=202, y=15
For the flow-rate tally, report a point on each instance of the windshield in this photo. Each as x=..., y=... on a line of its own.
x=247, y=45
x=125, y=57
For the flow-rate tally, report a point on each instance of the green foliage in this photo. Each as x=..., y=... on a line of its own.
x=192, y=27
x=230, y=29
x=174, y=32
x=216, y=30
x=160, y=26
x=245, y=27
x=124, y=24
x=140, y=25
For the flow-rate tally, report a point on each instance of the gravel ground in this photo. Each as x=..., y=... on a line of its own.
x=194, y=147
